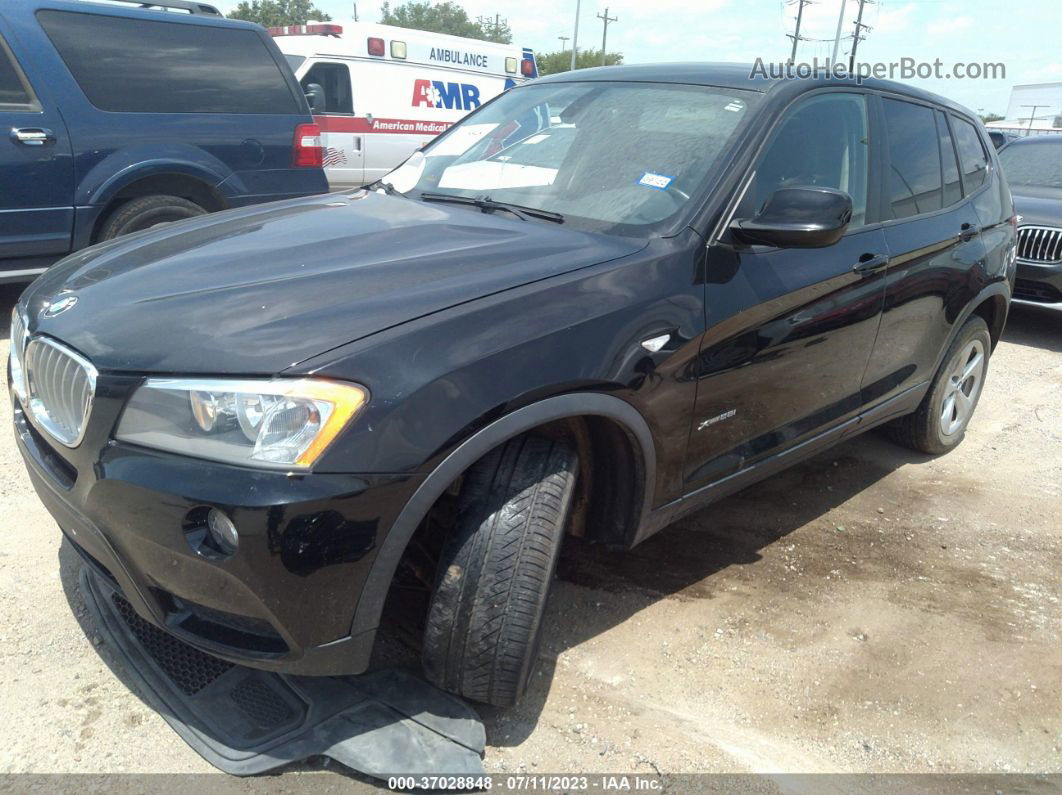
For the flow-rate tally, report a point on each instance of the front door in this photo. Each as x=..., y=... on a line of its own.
x=328, y=85
x=36, y=175
x=790, y=331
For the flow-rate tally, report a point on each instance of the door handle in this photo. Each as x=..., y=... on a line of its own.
x=969, y=232
x=870, y=263
x=33, y=136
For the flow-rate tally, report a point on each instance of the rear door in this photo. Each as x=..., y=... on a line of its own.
x=934, y=245
x=36, y=173
x=790, y=330
x=329, y=85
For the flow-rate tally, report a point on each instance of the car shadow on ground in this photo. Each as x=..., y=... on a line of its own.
x=1034, y=326
x=681, y=560
x=9, y=294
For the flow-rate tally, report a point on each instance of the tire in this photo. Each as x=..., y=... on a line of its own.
x=484, y=623
x=936, y=427
x=145, y=212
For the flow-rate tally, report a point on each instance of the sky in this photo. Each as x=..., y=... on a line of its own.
x=1023, y=35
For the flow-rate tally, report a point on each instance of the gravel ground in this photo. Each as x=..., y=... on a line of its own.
x=872, y=610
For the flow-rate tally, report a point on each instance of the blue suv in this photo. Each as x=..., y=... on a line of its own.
x=115, y=117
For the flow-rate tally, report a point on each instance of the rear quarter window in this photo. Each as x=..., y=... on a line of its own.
x=143, y=66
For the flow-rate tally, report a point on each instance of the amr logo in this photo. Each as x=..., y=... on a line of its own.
x=437, y=94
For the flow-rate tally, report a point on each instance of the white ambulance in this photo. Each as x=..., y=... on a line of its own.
x=380, y=92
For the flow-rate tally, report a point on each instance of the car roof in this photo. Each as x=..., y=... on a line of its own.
x=739, y=76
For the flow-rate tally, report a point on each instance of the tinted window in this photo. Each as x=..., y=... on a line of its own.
x=822, y=142
x=952, y=186
x=138, y=66
x=12, y=92
x=334, y=79
x=914, y=177
x=972, y=154
x=1035, y=163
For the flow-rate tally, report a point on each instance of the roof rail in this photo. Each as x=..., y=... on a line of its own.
x=191, y=6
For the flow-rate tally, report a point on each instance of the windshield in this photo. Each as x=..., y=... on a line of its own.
x=1033, y=164
x=294, y=61
x=614, y=157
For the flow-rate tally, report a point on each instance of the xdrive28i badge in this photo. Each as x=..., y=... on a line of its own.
x=60, y=305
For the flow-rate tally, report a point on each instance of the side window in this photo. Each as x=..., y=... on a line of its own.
x=972, y=156
x=914, y=178
x=952, y=186
x=820, y=142
x=130, y=65
x=334, y=80
x=14, y=93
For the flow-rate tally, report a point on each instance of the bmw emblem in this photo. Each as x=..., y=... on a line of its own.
x=61, y=305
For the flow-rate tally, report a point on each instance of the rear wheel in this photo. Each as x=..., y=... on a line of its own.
x=485, y=620
x=939, y=423
x=145, y=212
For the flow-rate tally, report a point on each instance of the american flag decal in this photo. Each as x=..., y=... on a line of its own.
x=334, y=157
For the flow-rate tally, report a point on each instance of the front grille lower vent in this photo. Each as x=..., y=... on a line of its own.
x=61, y=385
x=1040, y=244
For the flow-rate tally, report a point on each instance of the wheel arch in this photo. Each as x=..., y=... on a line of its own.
x=194, y=188
x=606, y=422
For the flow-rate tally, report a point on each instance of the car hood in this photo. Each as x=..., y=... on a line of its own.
x=260, y=289
x=1038, y=206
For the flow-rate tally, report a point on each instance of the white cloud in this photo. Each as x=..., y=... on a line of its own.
x=894, y=20
x=940, y=27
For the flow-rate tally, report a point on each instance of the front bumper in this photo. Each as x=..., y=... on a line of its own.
x=1039, y=284
x=285, y=601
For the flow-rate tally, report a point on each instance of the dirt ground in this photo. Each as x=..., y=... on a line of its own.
x=872, y=610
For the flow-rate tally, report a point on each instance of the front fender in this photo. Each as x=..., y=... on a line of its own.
x=374, y=592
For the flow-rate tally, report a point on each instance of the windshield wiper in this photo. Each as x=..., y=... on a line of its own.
x=487, y=205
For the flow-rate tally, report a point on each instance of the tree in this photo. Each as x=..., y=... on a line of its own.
x=550, y=63
x=447, y=17
x=275, y=13
x=987, y=117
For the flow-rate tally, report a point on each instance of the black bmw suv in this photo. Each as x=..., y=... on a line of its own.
x=599, y=302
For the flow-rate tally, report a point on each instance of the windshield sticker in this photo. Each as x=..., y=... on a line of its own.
x=655, y=181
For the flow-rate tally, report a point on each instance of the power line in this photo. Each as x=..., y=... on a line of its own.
x=604, y=32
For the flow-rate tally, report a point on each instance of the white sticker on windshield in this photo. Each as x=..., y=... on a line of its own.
x=655, y=181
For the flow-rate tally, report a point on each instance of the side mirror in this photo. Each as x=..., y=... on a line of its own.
x=315, y=95
x=798, y=217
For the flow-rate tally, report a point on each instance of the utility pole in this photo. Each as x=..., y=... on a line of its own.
x=355, y=12
x=1032, y=116
x=859, y=27
x=837, y=36
x=575, y=34
x=795, y=36
x=604, y=33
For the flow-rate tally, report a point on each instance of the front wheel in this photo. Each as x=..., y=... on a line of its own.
x=939, y=423
x=485, y=619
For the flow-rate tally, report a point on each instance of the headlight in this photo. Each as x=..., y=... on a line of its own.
x=18, y=345
x=282, y=424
